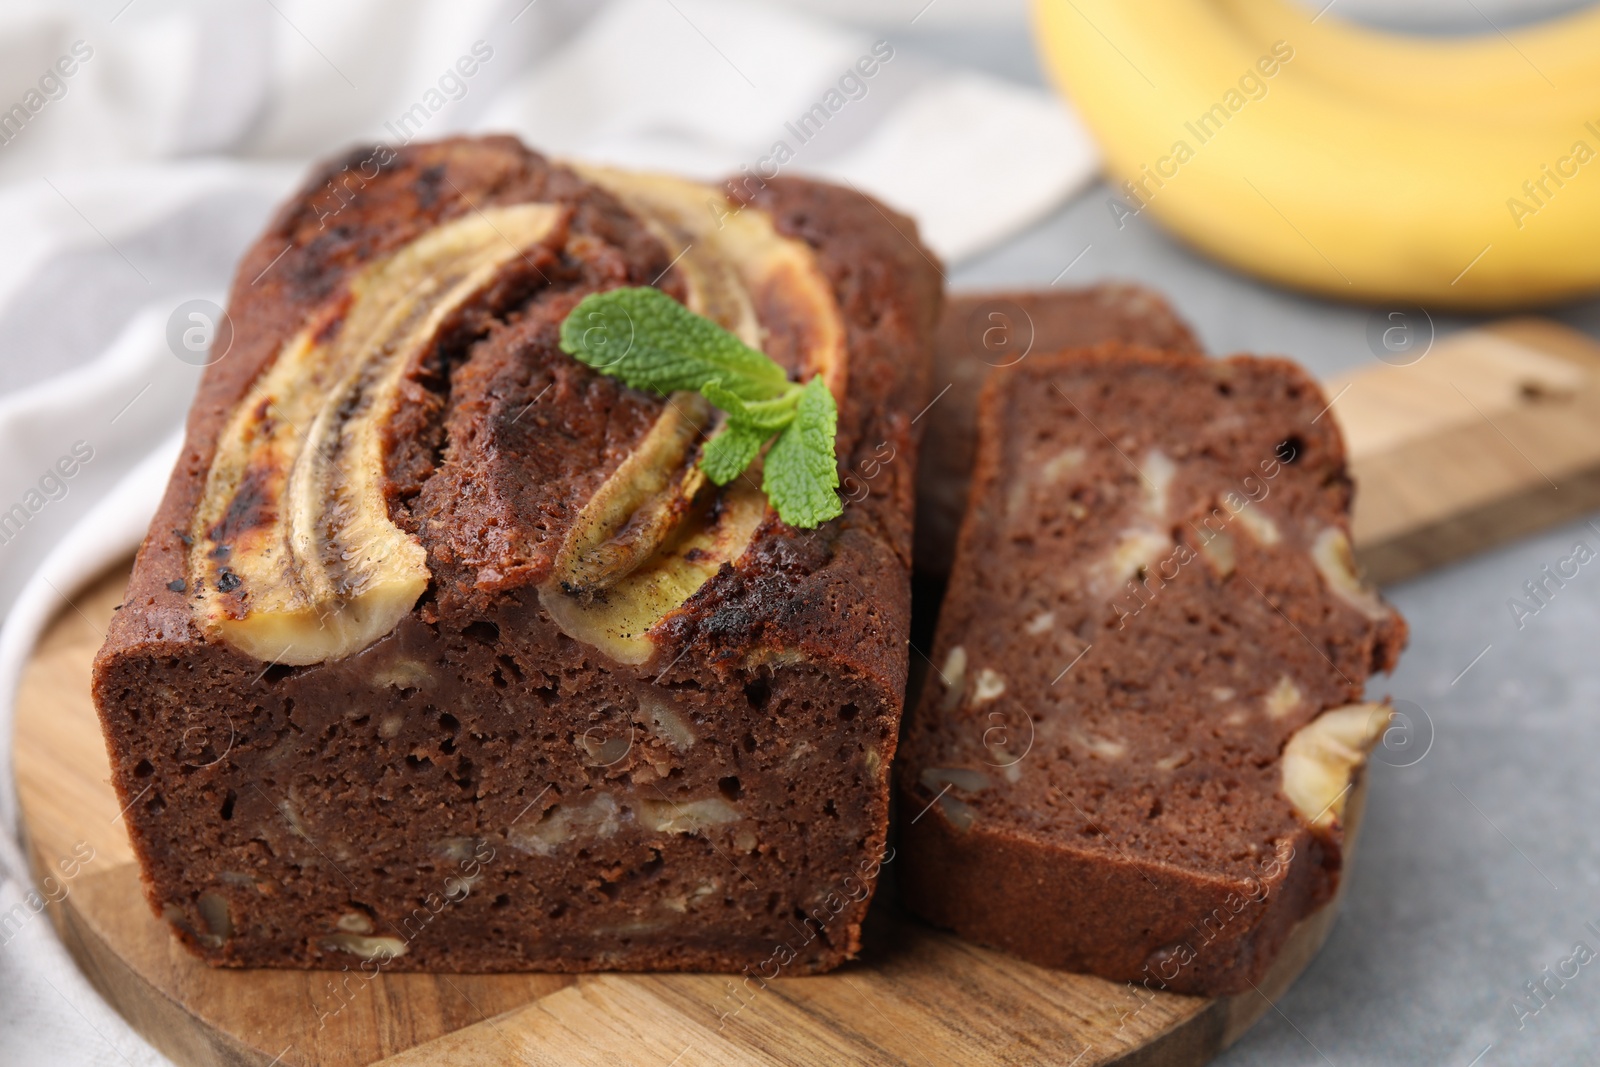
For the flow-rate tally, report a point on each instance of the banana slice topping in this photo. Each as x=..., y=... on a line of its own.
x=295, y=559
x=647, y=540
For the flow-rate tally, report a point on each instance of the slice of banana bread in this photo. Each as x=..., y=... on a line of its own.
x=984, y=334
x=441, y=652
x=1134, y=755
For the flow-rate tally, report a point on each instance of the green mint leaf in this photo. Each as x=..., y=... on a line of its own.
x=652, y=342
x=726, y=455
x=802, y=473
x=769, y=415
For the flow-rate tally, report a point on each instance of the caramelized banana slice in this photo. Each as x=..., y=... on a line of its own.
x=641, y=547
x=295, y=559
x=634, y=512
x=618, y=620
x=738, y=267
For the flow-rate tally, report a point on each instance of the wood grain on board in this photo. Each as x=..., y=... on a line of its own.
x=916, y=996
x=1492, y=434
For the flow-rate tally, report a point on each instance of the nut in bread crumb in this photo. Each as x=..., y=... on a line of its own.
x=598, y=817
x=1041, y=623
x=402, y=674
x=1218, y=553
x=218, y=918
x=1283, y=698
x=1054, y=468
x=1260, y=525
x=687, y=817
x=1174, y=761
x=1321, y=758
x=1138, y=547
x=354, y=922
x=631, y=929
x=954, y=677
x=459, y=849
x=962, y=778
x=603, y=747
x=1158, y=472
x=1333, y=557
x=667, y=721
x=368, y=948
x=989, y=685
x=961, y=814
x=1105, y=748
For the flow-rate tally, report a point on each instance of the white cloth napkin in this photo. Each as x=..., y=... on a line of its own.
x=143, y=144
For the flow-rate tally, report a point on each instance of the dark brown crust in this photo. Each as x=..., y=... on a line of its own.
x=1188, y=880
x=789, y=667
x=1007, y=891
x=298, y=264
x=984, y=334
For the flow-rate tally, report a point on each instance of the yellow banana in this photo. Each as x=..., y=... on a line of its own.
x=1306, y=184
x=1545, y=73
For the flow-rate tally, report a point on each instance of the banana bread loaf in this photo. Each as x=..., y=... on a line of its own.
x=1133, y=757
x=438, y=652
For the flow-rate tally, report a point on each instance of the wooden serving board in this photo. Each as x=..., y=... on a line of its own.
x=1492, y=435
x=1435, y=484
x=916, y=996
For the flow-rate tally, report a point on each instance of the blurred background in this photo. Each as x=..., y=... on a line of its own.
x=155, y=138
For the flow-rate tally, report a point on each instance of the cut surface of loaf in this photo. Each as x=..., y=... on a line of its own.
x=441, y=652
x=1146, y=708
x=987, y=334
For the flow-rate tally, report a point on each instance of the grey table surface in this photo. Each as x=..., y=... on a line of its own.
x=1478, y=865
x=1477, y=870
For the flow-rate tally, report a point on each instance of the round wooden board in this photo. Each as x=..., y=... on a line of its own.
x=916, y=996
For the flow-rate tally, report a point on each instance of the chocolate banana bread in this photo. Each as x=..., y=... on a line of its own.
x=983, y=334
x=442, y=653
x=1147, y=710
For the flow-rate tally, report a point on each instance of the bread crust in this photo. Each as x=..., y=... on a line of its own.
x=1062, y=864
x=300, y=809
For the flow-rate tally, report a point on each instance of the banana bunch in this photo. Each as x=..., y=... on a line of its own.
x=1461, y=172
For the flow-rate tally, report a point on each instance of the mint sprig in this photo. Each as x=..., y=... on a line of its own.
x=651, y=342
